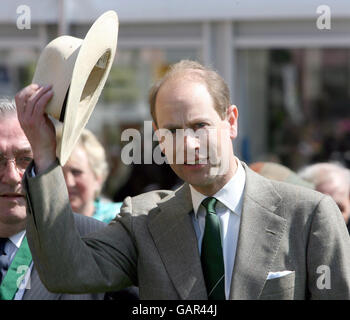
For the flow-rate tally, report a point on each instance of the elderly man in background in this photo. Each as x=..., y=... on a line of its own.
x=15, y=257
x=19, y=279
x=331, y=179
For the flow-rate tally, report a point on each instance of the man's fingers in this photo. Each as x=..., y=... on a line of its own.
x=32, y=102
x=27, y=99
x=42, y=102
x=27, y=92
x=22, y=96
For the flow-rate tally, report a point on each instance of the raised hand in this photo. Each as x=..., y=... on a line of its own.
x=39, y=129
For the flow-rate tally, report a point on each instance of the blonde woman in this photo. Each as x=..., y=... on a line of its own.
x=85, y=173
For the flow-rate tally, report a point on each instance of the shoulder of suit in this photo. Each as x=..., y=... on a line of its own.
x=285, y=189
x=298, y=201
x=145, y=202
x=293, y=190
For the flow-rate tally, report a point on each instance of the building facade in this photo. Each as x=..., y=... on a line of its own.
x=287, y=65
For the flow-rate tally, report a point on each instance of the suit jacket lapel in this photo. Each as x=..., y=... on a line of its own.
x=175, y=238
x=261, y=229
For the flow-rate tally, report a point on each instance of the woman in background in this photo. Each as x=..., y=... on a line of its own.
x=85, y=173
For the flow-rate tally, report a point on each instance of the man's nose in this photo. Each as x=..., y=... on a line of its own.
x=11, y=174
x=192, y=146
x=191, y=142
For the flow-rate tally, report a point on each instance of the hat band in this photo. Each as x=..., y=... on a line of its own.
x=63, y=109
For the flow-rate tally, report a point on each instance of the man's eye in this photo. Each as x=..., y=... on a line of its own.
x=24, y=159
x=200, y=125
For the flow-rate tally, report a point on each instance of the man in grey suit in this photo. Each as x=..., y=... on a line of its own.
x=227, y=233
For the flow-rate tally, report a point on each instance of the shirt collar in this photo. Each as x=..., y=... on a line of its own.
x=231, y=195
x=17, y=238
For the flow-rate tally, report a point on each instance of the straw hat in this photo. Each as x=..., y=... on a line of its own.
x=77, y=69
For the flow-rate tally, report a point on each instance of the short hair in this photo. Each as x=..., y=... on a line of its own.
x=193, y=70
x=95, y=153
x=325, y=172
x=7, y=106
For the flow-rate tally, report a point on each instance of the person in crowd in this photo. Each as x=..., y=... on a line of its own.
x=19, y=279
x=85, y=173
x=226, y=233
x=279, y=172
x=331, y=179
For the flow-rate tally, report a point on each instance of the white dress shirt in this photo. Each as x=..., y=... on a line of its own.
x=229, y=210
x=11, y=248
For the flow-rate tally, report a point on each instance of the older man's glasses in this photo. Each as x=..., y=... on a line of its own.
x=21, y=162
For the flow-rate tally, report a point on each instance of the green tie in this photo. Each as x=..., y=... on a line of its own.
x=211, y=254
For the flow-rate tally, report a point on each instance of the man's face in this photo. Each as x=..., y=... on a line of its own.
x=81, y=182
x=186, y=109
x=13, y=145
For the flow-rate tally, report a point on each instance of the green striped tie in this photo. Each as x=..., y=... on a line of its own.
x=211, y=254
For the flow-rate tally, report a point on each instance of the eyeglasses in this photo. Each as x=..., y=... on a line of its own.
x=21, y=162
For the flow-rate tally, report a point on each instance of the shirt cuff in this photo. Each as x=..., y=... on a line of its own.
x=32, y=172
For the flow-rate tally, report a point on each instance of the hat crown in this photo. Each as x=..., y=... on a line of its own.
x=57, y=62
x=63, y=46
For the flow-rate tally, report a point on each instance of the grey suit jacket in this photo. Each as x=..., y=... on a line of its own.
x=37, y=290
x=152, y=243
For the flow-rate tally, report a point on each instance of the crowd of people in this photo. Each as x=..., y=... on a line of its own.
x=230, y=231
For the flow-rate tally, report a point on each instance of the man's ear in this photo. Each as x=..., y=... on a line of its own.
x=232, y=116
x=154, y=126
x=155, y=129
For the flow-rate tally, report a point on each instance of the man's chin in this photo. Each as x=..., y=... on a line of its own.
x=13, y=215
x=199, y=180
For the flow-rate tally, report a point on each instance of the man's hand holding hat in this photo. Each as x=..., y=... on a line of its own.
x=31, y=103
x=77, y=69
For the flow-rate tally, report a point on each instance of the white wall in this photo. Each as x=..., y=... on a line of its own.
x=176, y=10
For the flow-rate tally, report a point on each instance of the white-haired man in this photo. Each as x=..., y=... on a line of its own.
x=332, y=179
x=19, y=279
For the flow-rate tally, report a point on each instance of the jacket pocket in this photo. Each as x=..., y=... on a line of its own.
x=281, y=288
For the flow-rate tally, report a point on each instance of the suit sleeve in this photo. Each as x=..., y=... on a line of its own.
x=328, y=256
x=101, y=261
